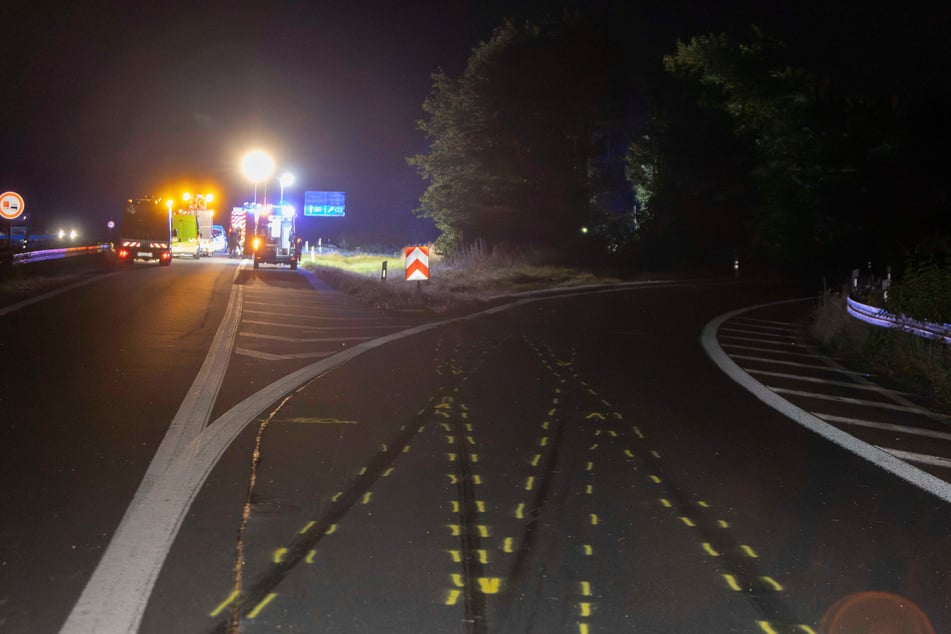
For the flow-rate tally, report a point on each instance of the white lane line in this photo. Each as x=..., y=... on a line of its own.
x=794, y=364
x=768, y=336
x=6, y=310
x=763, y=339
x=787, y=324
x=280, y=324
x=267, y=356
x=115, y=598
x=300, y=316
x=813, y=379
x=308, y=305
x=846, y=399
x=921, y=458
x=913, y=475
x=899, y=429
x=760, y=327
x=771, y=351
x=255, y=335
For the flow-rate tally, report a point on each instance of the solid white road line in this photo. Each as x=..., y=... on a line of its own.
x=913, y=475
x=934, y=461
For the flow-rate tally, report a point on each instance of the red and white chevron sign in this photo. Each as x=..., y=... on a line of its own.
x=417, y=263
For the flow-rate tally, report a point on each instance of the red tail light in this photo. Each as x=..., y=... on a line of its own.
x=123, y=254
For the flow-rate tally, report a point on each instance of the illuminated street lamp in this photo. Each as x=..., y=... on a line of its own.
x=286, y=180
x=257, y=166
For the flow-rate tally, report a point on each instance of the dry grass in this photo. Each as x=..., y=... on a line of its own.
x=469, y=278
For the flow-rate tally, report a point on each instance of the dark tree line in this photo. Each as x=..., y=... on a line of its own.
x=743, y=146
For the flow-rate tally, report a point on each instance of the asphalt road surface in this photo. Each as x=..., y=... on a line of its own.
x=206, y=448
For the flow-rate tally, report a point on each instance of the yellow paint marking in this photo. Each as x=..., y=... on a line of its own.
x=731, y=581
x=337, y=496
x=605, y=403
x=366, y=497
x=507, y=545
x=543, y=441
x=590, y=466
x=221, y=606
x=749, y=551
x=766, y=627
x=588, y=550
x=583, y=628
x=589, y=489
x=483, y=556
x=310, y=557
x=307, y=526
x=388, y=472
x=471, y=440
x=444, y=405
x=476, y=478
x=592, y=392
x=772, y=583
x=585, y=588
x=421, y=428
x=331, y=530
x=468, y=426
x=597, y=415
x=260, y=606
x=551, y=412
x=451, y=439
x=686, y=520
x=490, y=585
x=279, y=555
x=666, y=503
x=655, y=479
x=455, y=529
x=597, y=432
x=452, y=457
x=452, y=478
x=617, y=415
x=628, y=453
x=362, y=471
x=593, y=447
x=554, y=401
x=529, y=483
x=655, y=454
x=703, y=504
x=456, y=556
x=384, y=448
x=585, y=608
x=406, y=448
x=594, y=519
x=455, y=506
x=473, y=457
x=806, y=629
x=445, y=426
x=710, y=550
x=546, y=424
x=535, y=459
x=452, y=597
x=723, y=524
x=612, y=433
x=480, y=506
x=639, y=433
x=457, y=580
x=520, y=511
x=483, y=531
x=464, y=415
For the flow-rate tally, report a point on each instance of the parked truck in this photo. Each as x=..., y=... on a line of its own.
x=145, y=232
x=275, y=239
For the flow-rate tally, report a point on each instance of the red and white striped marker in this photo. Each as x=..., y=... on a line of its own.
x=417, y=263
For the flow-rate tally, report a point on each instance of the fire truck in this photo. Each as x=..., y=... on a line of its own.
x=145, y=232
x=270, y=233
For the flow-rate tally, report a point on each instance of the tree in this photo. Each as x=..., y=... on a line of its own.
x=511, y=140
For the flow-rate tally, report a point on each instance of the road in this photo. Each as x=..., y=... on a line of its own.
x=573, y=463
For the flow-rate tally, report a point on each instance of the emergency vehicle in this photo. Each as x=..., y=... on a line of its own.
x=145, y=232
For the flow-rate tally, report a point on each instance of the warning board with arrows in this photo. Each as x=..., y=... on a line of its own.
x=417, y=263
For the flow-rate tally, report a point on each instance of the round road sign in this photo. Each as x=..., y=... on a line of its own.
x=11, y=205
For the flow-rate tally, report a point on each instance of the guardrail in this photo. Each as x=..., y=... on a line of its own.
x=28, y=257
x=881, y=317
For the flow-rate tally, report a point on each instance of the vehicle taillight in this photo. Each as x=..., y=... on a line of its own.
x=165, y=255
x=123, y=254
x=256, y=244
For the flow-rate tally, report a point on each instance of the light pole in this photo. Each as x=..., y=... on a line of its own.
x=258, y=166
x=286, y=180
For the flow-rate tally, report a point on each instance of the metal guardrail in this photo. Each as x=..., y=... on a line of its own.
x=881, y=317
x=29, y=257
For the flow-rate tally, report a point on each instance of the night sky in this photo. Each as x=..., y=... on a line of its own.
x=107, y=100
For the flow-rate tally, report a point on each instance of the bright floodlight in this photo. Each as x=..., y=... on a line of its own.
x=186, y=196
x=209, y=198
x=257, y=166
x=287, y=179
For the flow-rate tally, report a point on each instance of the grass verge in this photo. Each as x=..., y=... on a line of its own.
x=919, y=365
